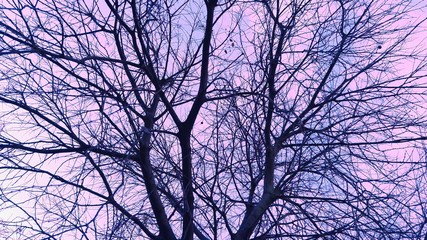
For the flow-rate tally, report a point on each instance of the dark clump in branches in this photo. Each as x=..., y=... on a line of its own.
x=212, y=120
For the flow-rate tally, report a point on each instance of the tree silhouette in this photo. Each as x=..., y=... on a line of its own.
x=131, y=119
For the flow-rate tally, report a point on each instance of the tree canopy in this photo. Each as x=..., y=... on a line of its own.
x=188, y=119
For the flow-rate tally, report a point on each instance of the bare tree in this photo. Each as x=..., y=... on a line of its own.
x=212, y=119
